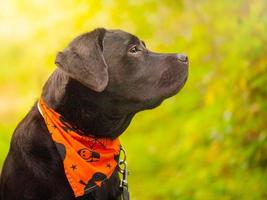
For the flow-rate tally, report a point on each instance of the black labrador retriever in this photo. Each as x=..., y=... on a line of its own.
x=103, y=79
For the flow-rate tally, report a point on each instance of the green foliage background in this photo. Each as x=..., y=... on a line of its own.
x=209, y=141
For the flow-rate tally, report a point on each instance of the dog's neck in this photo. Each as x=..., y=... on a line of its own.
x=94, y=113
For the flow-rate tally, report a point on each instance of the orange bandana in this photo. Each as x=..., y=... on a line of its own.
x=88, y=161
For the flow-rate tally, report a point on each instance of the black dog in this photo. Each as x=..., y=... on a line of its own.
x=103, y=79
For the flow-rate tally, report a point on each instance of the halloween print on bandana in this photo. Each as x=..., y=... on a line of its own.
x=89, y=156
x=117, y=157
x=87, y=160
x=94, y=182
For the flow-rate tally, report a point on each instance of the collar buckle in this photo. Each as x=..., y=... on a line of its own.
x=123, y=169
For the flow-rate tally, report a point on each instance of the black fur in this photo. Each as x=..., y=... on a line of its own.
x=99, y=96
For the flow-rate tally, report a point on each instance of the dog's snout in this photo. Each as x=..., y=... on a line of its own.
x=182, y=58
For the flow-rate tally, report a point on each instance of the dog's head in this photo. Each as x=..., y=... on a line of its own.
x=118, y=63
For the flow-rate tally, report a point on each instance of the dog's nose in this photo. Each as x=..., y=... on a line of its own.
x=183, y=58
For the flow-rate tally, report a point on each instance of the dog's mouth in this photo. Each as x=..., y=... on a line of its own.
x=176, y=84
x=173, y=79
x=183, y=76
x=153, y=103
x=180, y=84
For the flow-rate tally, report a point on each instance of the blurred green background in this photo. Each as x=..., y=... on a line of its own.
x=209, y=141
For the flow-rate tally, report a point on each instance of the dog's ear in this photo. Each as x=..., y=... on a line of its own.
x=83, y=60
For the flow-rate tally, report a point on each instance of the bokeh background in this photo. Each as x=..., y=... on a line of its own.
x=209, y=141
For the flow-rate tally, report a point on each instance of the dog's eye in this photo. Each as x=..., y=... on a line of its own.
x=134, y=49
